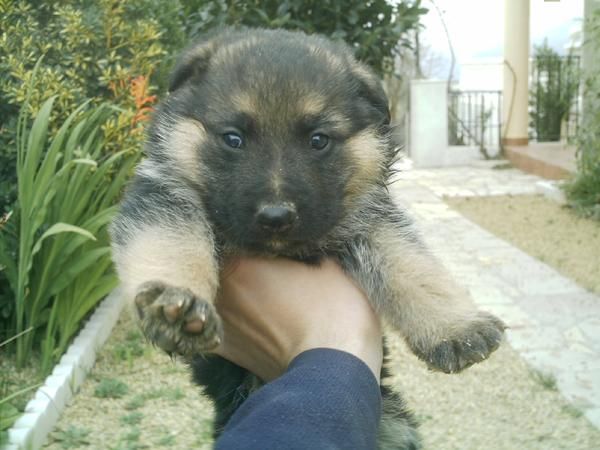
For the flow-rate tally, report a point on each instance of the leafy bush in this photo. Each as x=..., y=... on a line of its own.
x=375, y=28
x=55, y=248
x=92, y=49
x=583, y=191
x=555, y=88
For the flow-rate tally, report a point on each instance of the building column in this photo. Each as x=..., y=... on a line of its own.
x=515, y=96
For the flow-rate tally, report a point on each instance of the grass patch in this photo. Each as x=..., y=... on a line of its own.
x=167, y=393
x=572, y=411
x=544, y=379
x=132, y=419
x=17, y=387
x=166, y=441
x=111, y=388
x=136, y=402
x=72, y=437
x=132, y=347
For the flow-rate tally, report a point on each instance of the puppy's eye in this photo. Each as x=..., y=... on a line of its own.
x=319, y=141
x=233, y=140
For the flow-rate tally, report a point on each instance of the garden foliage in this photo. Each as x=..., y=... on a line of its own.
x=583, y=191
x=376, y=29
x=555, y=86
x=92, y=49
x=67, y=187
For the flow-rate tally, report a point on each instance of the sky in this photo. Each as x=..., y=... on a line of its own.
x=476, y=26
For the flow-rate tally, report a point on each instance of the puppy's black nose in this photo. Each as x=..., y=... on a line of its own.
x=276, y=218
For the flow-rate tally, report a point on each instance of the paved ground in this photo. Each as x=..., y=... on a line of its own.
x=554, y=323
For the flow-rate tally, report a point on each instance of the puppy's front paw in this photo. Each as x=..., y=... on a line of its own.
x=176, y=320
x=475, y=341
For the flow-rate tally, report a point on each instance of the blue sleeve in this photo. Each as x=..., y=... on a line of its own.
x=327, y=399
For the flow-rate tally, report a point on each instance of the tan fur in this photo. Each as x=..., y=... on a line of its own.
x=311, y=104
x=367, y=160
x=229, y=52
x=428, y=305
x=183, y=144
x=245, y=103
x=175, y=256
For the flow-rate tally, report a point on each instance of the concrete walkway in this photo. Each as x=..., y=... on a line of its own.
x=554, y=323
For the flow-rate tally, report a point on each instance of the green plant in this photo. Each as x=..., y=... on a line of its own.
x=128, y=350
x=72, y=437
x=132, y=419
x=544, y=379
x=12, y=394
x=55, y=250
x=136, y=402
x=110, y=388
x=375, y=28
x=554, y=89
x=583, y=190
x=92, y=49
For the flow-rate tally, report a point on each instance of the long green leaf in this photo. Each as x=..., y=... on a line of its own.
x=75, y=268
x=60, y=228
x=35, y=147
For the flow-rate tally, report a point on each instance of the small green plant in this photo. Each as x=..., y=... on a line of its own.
x=133, y=418
x=167, y=393
x=555, y=87
x=167, y=440
x=572, y=411
x=135, y=403
x=72, y=437
x=544, y=379
x=132, y=347
x=111, y=388
x=55, y=248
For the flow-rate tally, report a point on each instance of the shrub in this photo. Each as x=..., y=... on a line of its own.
x=92, y=49
x=55, y=247
x=583, y=191
x=555, y=88
x=375, y=28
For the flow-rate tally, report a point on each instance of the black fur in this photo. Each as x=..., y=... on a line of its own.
x=196, y=198
x=228, y=386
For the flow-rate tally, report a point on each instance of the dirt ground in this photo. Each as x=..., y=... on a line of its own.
x=542, y=228
x=137, y=398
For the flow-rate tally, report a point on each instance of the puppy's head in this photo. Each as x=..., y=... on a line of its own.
x=280, y=132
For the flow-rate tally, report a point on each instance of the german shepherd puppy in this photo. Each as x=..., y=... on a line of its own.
x=277, y=143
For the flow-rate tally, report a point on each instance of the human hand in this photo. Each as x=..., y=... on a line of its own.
x=275, y=309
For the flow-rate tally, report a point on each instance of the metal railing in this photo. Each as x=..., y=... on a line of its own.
x=475, y=119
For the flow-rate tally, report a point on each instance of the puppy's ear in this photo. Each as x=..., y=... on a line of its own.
x=192, y=64
x=370, y=88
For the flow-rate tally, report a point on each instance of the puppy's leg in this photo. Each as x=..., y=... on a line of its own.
x=412, y=291
x=165, y=258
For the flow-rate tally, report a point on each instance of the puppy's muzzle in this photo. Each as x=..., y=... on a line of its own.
x=276, y=218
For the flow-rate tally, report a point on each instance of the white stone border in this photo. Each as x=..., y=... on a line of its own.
x=42, y=412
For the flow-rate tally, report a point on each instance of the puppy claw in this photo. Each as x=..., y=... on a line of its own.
x=195, y=326
x=478, y=339
x=176, y=320
x=172, y=312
